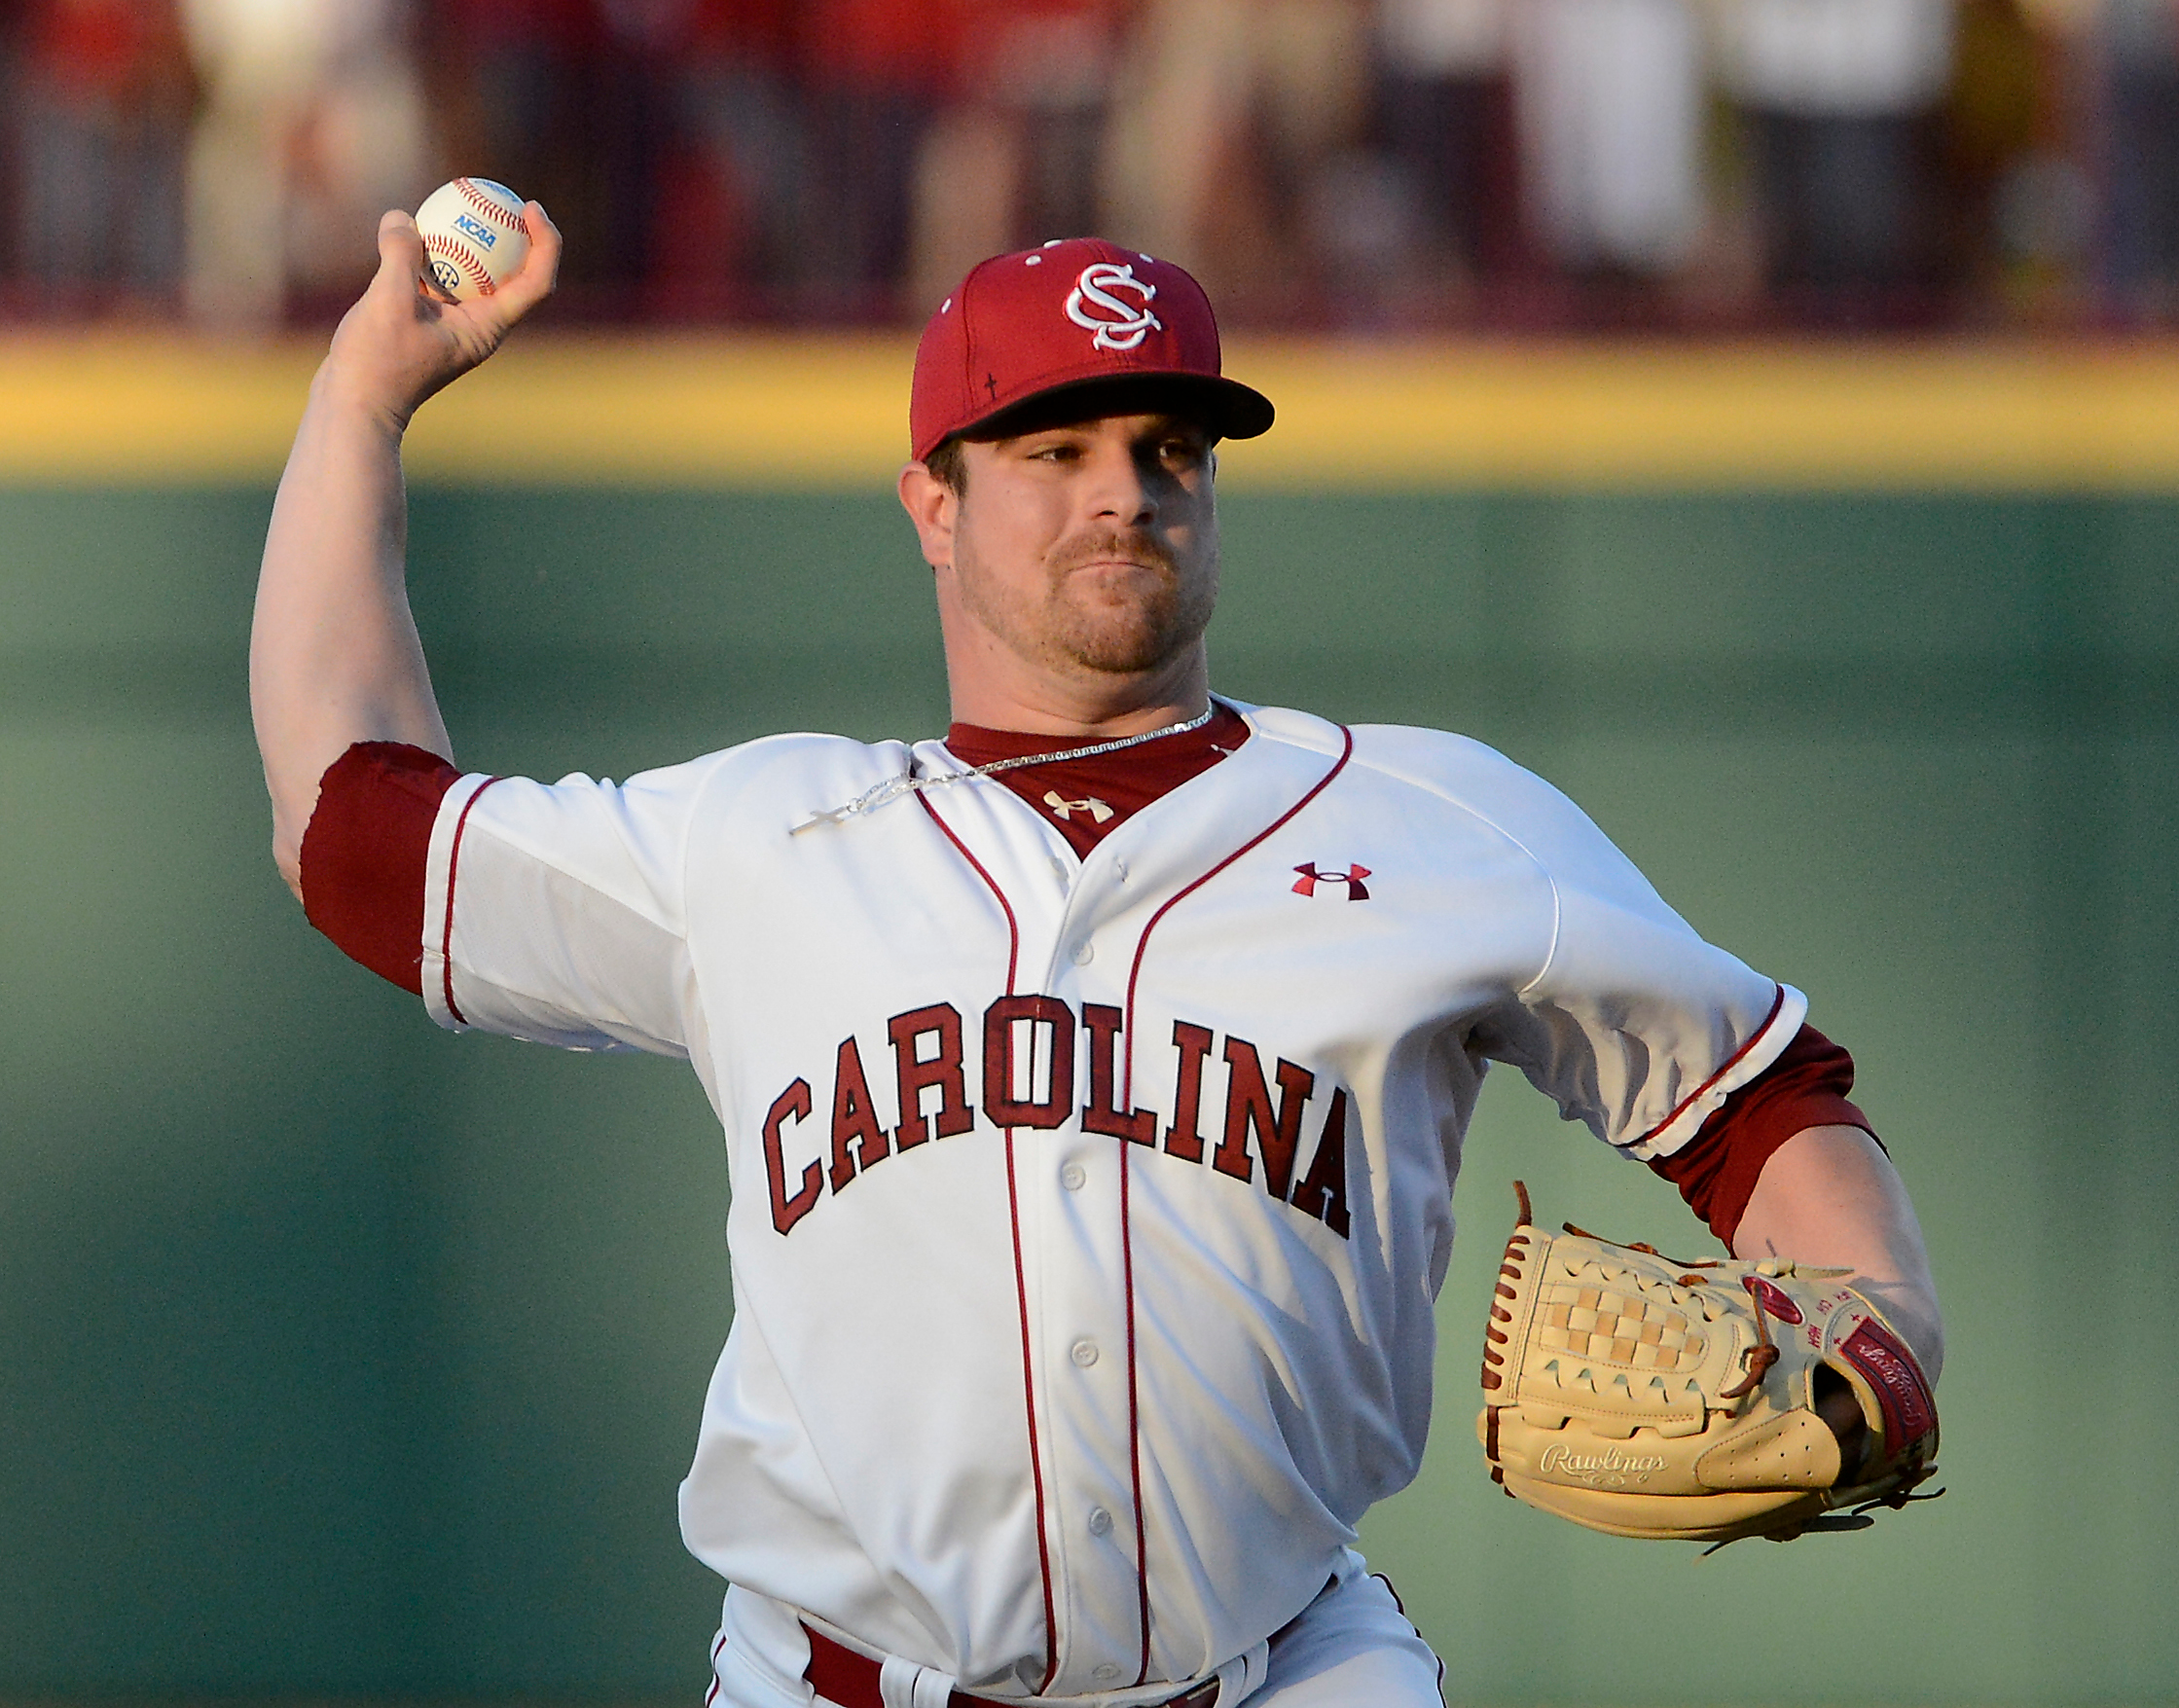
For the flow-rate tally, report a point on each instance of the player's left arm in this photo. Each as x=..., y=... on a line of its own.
x=1784, y=1165
x=1830, y=1195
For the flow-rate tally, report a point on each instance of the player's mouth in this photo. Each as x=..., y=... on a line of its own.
x=1132, y=550
x=1146, y=565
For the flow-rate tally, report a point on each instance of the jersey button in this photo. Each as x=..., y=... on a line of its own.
x=1074, y=1177
x=1083, y=1352
x=1085, y=952
x=1100, y=1522
x=1104, y=1670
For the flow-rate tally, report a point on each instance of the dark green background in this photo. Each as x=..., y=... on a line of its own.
x=342, y=1356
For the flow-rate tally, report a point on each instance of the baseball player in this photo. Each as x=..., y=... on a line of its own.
x=1093, y=1078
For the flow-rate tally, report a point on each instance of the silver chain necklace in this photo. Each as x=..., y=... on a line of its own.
x=908, y=782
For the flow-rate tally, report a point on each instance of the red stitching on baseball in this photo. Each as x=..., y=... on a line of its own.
x=465, y=257
x=514, y=221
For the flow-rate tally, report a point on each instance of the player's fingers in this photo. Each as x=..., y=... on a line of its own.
x=533, y=281
x=401, y=262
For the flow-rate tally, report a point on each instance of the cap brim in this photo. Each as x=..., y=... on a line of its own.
x=1229, y=408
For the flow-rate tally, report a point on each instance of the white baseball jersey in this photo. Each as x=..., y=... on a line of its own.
x=1087, y=1216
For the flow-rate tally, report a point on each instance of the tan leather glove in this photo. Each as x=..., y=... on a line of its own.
x=1646, y=1396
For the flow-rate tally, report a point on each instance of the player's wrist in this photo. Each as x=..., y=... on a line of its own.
x=1911, y=1308
x=347, y=389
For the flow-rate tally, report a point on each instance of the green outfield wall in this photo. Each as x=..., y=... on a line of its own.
x=342, y=1357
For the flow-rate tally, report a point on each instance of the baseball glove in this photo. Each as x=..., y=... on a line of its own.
x=1646, y=1396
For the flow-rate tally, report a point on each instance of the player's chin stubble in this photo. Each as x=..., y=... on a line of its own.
x=1109, y=621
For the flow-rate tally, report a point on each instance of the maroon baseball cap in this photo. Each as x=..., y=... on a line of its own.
x=1077, y=312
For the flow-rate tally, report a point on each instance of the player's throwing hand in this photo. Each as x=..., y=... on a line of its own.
x=404, y=340
x=335, y=657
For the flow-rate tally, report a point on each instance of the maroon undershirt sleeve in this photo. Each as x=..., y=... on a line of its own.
x=1805, y=1087
x=365, y=852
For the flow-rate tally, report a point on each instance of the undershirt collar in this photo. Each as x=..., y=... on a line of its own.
x=1084, y=799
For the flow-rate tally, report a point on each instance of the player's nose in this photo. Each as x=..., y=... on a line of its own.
x=1119, y=487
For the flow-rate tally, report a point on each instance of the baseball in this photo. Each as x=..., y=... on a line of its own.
x=473, y=236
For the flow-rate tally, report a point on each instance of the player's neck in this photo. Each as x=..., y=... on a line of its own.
x=1094, y=708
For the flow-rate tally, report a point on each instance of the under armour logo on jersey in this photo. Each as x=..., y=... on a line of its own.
x=1119, y=325
x=1063, y=808
x=1351, y=878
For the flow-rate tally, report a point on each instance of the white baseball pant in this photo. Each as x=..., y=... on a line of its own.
x=1349, y=1647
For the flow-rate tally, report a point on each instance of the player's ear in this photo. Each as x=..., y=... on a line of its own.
x=932, y=506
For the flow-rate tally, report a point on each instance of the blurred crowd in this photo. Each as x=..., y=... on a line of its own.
x=1348, y=164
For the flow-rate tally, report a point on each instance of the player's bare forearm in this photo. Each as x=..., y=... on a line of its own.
x=334, y=657
x=1830, y=1195
x=334, y=653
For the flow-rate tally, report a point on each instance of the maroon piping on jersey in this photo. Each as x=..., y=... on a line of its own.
x=1805, y=1087
x=1401, y=1607
x=1123, y=783
x=1134, y=1406
x=717, y=1648
x=1020, y=1282
x=454, y=864
x=1126, y=1100
x=1732, y=1062
x=1134, y=969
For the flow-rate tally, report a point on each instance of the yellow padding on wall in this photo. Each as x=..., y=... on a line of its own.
x=829, y=413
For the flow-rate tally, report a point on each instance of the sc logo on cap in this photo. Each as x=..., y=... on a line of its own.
x=1119, y=325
